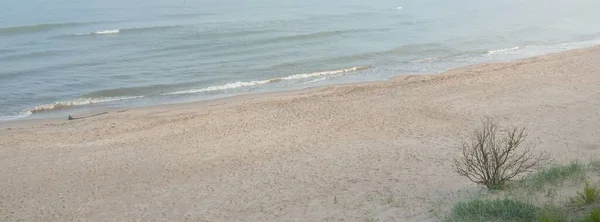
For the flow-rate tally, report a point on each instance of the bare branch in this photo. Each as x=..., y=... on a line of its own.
x=492, y=159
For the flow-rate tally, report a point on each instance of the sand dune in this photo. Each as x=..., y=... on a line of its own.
x=347, y=152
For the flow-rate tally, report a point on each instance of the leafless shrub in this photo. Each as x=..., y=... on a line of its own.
x=492, y=158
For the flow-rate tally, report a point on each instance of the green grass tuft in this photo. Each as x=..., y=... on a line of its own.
x=593, y=217
x=589, y=195
x=554, y=175
x=493, y=210
x=552, y=214
x=520, y=202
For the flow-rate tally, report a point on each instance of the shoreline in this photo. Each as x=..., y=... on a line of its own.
x=375, y=150
x=232, y=100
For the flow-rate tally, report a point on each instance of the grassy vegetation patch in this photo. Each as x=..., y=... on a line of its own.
x=494, y=210
x=552, y=214
x=554, y=175
x=527, y=200
x=594, y=216
x=595, y=166
x=589, y=195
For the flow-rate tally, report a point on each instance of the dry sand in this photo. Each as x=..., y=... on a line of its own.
x=348, y=152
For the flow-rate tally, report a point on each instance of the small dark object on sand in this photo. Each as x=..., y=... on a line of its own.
x=83, y=117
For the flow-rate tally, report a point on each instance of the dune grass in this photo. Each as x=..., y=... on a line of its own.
x=589, y=195
x=552, y=214
x=493, y=210
x=594, y=216
x=519, y=200
x=554, y=175
x=594, y=166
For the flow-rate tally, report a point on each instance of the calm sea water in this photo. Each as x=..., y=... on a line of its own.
x=67, y=56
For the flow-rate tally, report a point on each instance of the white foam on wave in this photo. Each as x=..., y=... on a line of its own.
x=325, y=73
x=77, y=102
x=497, y=51
x=107, y=32
x=103, y=32
x=262, y=82
x=399, y=7
x=239, y=84
x=220, y=87
x=17, y=116
x=325, y=78
x=318, y=79
x=424, y=60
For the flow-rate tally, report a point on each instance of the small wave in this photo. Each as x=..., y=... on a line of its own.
x=419, y=48
x=90, y=101
x=28, y=55
x=17, y=116
x=107, y=32
x=18, y=30
x=77, y=102
x=496, y=51
x=128, y=30
x=220, y=87
x=188, y=15
x=325, y=73
x=326, y=77
x=424, y=60
x=318, y=79
x=323, y=34
x=399, y=7
x=431, y=49
x=103, y=32
x=262, y=82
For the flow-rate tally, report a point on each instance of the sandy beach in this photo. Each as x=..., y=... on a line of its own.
x=354, y=152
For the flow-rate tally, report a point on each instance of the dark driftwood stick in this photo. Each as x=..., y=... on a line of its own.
x=81, y=117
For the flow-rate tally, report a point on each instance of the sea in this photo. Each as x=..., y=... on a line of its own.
x=60, y=57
